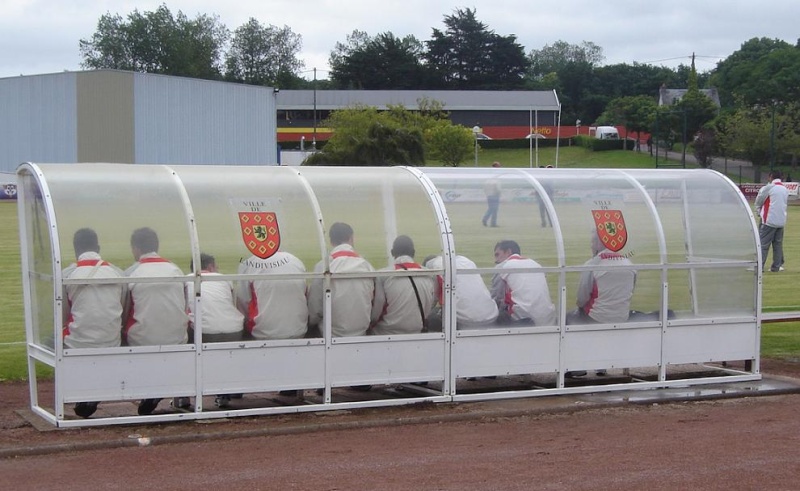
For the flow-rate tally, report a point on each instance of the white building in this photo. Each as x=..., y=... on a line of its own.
x=126, y=117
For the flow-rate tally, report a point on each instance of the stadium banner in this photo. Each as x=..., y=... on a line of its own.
x=750, y=189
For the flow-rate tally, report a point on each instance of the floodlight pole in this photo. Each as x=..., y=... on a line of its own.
x=314, y=138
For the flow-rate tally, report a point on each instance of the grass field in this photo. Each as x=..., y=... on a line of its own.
x=779, y=340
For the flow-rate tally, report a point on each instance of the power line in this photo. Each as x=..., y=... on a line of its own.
x=683, y=57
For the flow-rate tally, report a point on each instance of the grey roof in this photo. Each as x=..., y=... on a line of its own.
x=666, y=97
x=453, y=100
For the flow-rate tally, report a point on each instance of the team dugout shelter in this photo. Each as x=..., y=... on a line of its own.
x=688, y=235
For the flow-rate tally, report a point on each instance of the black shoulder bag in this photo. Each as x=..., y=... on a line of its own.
x=419, y=301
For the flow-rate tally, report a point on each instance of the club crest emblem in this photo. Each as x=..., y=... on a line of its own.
x=611, y=228
x=260, y=232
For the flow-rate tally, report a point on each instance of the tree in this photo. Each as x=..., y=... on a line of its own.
x=468, y=56
x=382, y=62
x=577, y=90
x=761, y=70
x=397, y=136
x=748, y=132
x=552, y=58
x=704, y=146
x=636, y=113
x=696, y=107
x=450, y=144
x=263, y=55
x=157, y=42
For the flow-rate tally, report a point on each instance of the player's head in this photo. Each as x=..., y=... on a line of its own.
x=144, y=241
x=504, y=249
x=85, y=240
x=775, y=174
x=207, y=262
x=341, y=233
x=403, y=246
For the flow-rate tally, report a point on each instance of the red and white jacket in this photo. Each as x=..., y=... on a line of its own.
x=524, y=295
x=93, y=313
x=351, y=298
x=156, y=312
x=395, y=309
x=276, y=309
x=605, y=296
x=772, y=203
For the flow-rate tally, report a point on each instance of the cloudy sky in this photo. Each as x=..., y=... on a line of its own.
x=41, y=36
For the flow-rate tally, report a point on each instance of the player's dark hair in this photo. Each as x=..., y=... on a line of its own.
x=206, y=260
x=403, y=246
x=85, y=240
x=508, y=245
x=145, y=239
x=340, y=233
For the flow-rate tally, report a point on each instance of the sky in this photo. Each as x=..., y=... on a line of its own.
x=41, y=36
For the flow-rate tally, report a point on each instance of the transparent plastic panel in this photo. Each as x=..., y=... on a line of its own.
x=114, y=200
x=40, y=264
x=222, y=213
x=487, y=206
x=467, y=194
x=705, y=222
x=380, y=204
x=703, y=215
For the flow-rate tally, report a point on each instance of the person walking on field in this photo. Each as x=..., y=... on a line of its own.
x=492, y=190
x=771, y=203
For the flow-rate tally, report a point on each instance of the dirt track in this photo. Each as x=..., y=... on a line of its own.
x=748, y=443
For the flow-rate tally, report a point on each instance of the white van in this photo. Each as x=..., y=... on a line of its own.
x=605, y=132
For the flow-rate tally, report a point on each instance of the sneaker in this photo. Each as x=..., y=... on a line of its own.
x=180, y=403
x=575, y=373
x=362, y=388
x=85, y=409
x=223, y=401
x=601, y=373
x=147, y=406
x=288, y=393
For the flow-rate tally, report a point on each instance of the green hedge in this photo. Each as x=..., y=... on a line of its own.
x=522, y=143
x=598, y=145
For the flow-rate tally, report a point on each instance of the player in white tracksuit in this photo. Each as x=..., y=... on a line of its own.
x=222, y=321
x=351, y=298
x=604, y=296
x=474, y=305
x=521, y=297
x=156, y=313
x=276, y=309
x=93, y=313
x=402, y=303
